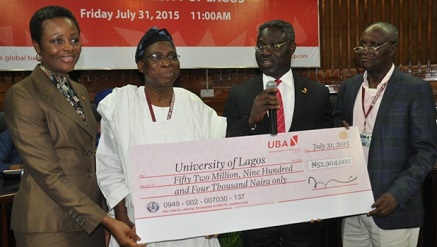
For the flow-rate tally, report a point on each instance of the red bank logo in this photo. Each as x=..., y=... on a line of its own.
x=283, y=143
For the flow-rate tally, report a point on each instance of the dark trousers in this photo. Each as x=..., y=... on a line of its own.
x=295, y=235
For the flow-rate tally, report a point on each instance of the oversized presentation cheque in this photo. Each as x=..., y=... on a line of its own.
x=199, y=188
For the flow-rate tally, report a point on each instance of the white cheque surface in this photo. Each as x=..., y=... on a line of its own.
x=189, y=189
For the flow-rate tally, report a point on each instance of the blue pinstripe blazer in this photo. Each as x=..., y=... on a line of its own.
x=404, y=141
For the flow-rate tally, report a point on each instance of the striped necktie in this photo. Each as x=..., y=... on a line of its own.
x=280, y=112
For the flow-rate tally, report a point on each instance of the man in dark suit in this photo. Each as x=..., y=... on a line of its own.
x=306, y=106
x=396, y=115
x=9, y=158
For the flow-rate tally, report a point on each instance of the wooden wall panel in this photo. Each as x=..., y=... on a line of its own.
x=342, y=22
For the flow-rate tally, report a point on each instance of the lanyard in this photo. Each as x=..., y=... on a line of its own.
x=363, y=93
x=152, y=113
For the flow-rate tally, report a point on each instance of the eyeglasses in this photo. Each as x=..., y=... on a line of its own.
x=368, y=49
x=159, y=58
x=274, y=47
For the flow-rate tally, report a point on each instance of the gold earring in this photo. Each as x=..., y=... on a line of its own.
x=38, y=57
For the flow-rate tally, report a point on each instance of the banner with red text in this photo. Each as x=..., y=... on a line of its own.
x=207, y=33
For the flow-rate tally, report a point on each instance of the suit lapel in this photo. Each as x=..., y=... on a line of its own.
x=299, y=99
x=256, y=88
x=353, y=92
x=389, y=96
x=53, y=97
x=83, y=97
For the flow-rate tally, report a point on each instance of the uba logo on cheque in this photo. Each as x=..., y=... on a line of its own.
x=283, y=143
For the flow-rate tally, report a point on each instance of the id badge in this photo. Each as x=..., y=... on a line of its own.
x=366, y=138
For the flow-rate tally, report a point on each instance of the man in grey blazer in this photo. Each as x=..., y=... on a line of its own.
x=396, y=115
x=306, y=106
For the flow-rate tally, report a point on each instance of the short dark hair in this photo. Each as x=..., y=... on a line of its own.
x=48, y=12
x=286, y=27
x=389, y=29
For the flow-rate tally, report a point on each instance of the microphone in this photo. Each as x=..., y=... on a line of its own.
x=272, y=112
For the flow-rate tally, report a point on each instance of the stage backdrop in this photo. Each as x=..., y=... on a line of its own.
x=207, y=33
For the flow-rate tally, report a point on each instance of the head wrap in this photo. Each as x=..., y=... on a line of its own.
x=153, y=35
